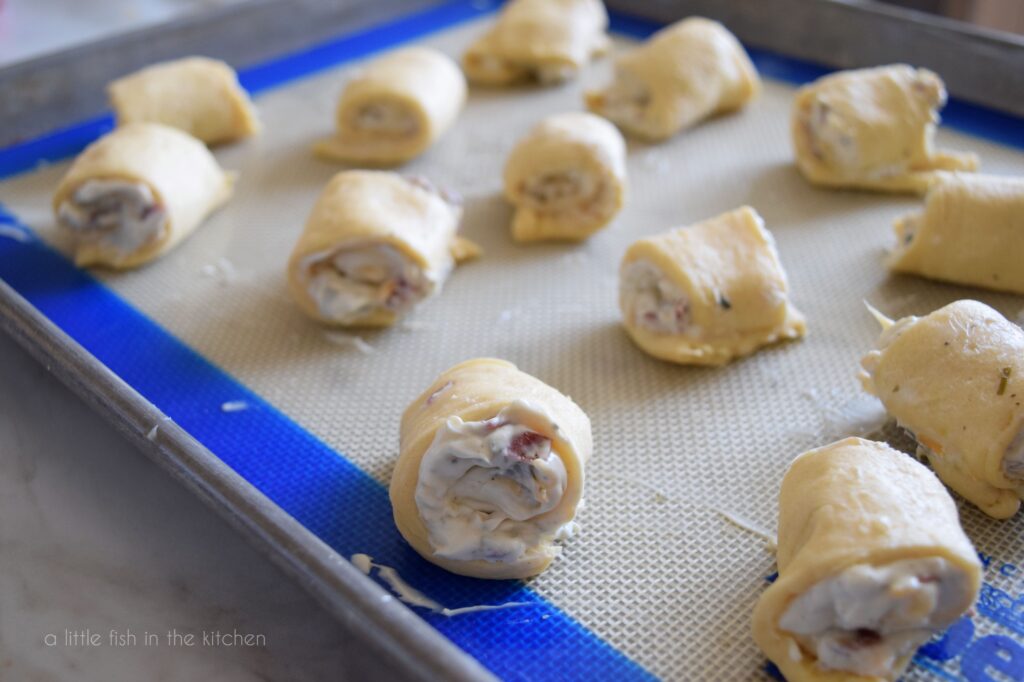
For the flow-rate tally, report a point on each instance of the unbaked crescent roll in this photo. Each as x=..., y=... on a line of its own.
x=970, y=232
x=136, y=192
x=198, y=95
x=548, y=41
x=707, y=293
x=566, y=178
x=872, y=563
x=683, y=74
x=395, y=108
x=490, y=472
x=374, y=246
x=872, y=129
x=955, y=380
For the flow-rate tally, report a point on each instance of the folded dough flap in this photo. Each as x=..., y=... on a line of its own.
x=566, y=177
x=872, y=562
x=954, y=379
x=375, y=244
x=723, y=282
x=874, y=129
x=970, y=232
x=500, y=526
x=199, y=95
x=396, y=107
x=538, y=39
x=136, y=192
x=681, y=75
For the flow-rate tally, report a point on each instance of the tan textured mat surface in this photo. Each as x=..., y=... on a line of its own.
x=657, y=570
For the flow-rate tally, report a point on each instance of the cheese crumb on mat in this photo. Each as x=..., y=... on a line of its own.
x=350, y=341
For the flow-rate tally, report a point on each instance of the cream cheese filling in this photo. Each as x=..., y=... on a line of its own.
x=626, y=101
x=866, y=618
x=384, y=119
x=486, y=488
x=653, y=302
x=492, y=66
x=119, y=215
x=1013, y=461
x=562, y=190
x=356, y=280
x=833, y=141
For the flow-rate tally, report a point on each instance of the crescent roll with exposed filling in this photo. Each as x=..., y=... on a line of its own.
x=566, y=178
x=395, y=108
x=375, y=245
x=955, y=380
x=490, y=473
x=872, y=563
x=198, y=95
x=136, y=193
x=682, y=75
x=708, y=293
x=971, y=231
x=873, y=129
x=547, y=41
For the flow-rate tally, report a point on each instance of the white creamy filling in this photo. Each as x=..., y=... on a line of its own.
x=866, y=618
x=550, y=74
x=833, y=142
x=626, y=100
x=386, y=119
x=830, y=139
x=561, y=190
x=115, y=214
x=483, y=485
x=498, y=68
x=355, y=281
x=652, y=301
x=1013, y=461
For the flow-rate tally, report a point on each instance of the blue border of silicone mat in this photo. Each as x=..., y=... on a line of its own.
x=299, y=472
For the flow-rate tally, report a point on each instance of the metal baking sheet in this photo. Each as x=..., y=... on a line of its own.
x=661, y=582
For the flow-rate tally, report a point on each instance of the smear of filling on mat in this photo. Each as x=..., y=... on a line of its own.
x=410, y=595
x=750, y=527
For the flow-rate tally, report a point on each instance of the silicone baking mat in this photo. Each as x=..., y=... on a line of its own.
x=660, y=581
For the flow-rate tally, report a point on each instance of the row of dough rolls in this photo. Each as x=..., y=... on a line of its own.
x=490, y=472
x=872, y=563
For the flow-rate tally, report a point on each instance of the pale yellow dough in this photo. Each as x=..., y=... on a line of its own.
x=362, y=208
x=396, y=108
x=970, y=232
x=478, y=390
x=682, y=75
x=198, y=95
x=955, y=379
x=736, y=290
x=566, y=178
x=542, y=40
x=180, y=172
x=854, y=502
x=873, y=129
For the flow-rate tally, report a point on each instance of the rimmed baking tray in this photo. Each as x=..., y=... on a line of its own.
x=661, y=582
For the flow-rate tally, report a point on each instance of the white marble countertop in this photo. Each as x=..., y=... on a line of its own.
x=93, y=536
